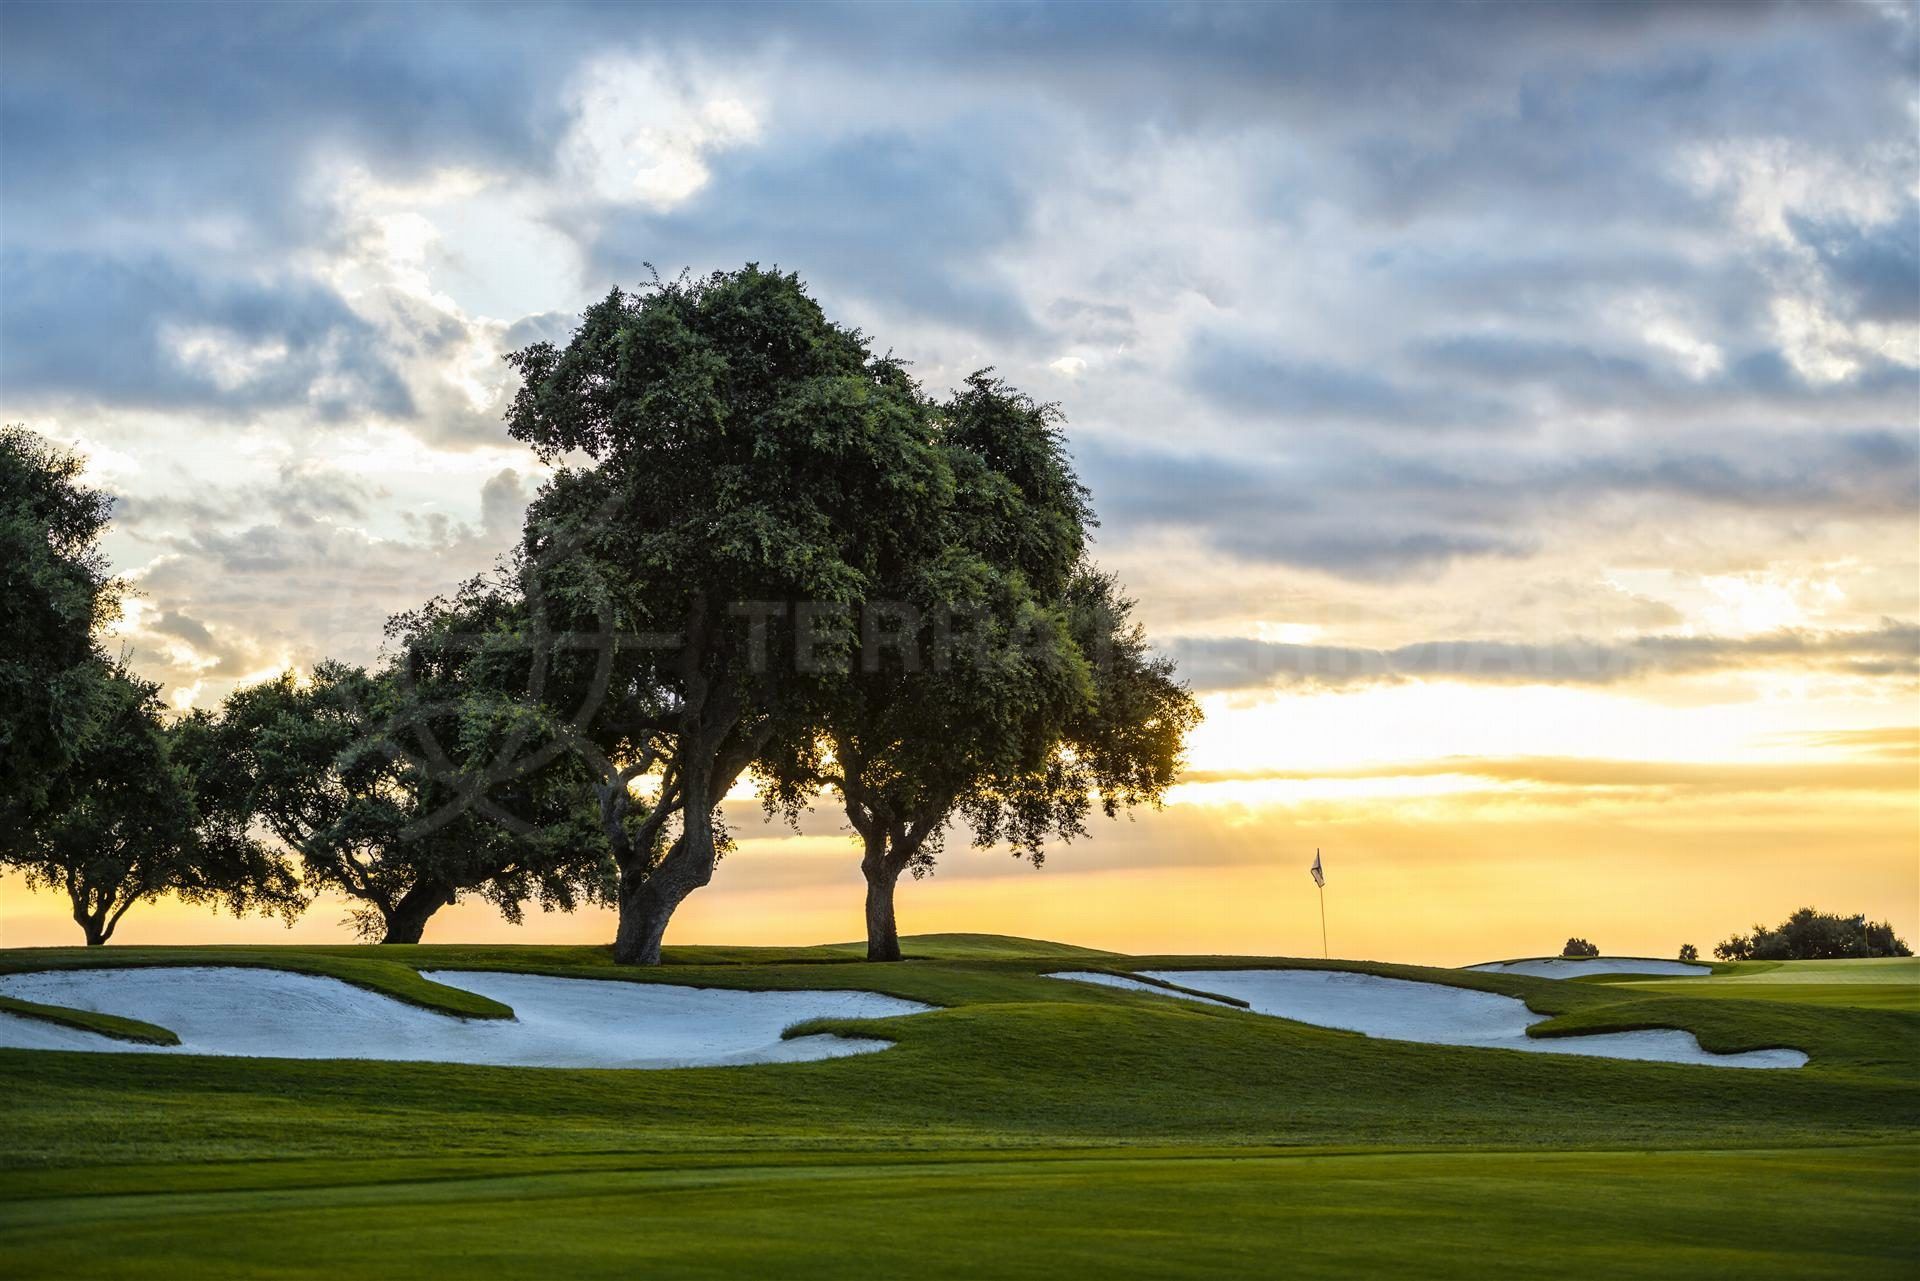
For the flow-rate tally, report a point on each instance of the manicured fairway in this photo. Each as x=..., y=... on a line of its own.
x=1028, y=1127
x=1801, y=1213
x=1880, y=984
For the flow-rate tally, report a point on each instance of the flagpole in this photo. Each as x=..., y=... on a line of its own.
x=1324, y=954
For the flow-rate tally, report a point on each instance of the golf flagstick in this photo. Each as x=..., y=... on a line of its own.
x=1320, y=881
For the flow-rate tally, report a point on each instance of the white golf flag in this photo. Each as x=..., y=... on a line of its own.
x=1319, y=877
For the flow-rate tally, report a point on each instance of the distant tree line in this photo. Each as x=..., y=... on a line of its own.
x=764, y=553
x=1808, y=935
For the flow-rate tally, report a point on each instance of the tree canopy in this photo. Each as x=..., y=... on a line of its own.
x=996, y=676
x=1808, y=935
x=148, y=809
x=751, y=463
x=332, y=769
x=56, y=593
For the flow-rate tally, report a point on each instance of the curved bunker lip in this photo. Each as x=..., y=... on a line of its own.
x=559, y=1022
x=1573, y=967
x=1433, y=1013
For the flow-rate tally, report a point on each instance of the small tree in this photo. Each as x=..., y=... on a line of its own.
x=148, y=811
x=328, y=774
x=1688, y=952
x=1736, y=947
x=1579, y=947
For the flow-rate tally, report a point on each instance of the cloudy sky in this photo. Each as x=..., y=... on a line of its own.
x=1509, y=416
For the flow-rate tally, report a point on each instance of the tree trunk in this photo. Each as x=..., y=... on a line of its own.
x=649, y=897
x=650, y=894
x=93, y=923
x=883, y=873
x=408, y=919
x=644, y=915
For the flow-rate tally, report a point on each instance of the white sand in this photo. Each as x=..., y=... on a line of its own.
x=231, y=1010
x=1402, y=1010
x=1568, y=967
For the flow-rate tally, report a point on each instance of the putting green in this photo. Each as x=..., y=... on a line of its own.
x=1879, y=983
x=1879, y=969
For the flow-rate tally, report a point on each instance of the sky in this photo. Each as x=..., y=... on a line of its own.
x=1507, y=416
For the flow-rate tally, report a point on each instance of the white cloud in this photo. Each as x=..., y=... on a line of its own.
x=227, y=359
x=637, y=136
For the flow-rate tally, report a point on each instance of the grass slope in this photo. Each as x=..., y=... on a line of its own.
x=90, y=1021
x=1030, y=1125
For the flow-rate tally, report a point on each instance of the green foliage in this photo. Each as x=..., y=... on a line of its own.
x=1688, y=952
x=1579, y=947
x=997, y=678
x=795, y=561
x=753, y=465
x=334, y=767
x=1808, y=935
x=55, y=595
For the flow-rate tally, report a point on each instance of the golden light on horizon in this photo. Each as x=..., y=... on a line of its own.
x=1502, y=833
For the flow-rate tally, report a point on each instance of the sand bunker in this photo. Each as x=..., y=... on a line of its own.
x=581, y=1023
x=1401, y=1010
x=1568, y=967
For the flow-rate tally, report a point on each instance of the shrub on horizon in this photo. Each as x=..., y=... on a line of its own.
x=1808, y=935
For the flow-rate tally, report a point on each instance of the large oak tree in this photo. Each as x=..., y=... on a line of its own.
x=748, y=463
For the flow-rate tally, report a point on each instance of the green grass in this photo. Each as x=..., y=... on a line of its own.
x=1029, y=1126
x=1801, y=1213
x=1882, y=983
x=90, y=1021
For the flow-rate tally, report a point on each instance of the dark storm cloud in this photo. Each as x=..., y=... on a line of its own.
x=123, y=331
x=1233, y=663
x=1368, y=515
x=1582, y=376
x=176, y=108
x=191, y=630
x=1876, y=270
x=904, y=220
x=1268, y=384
